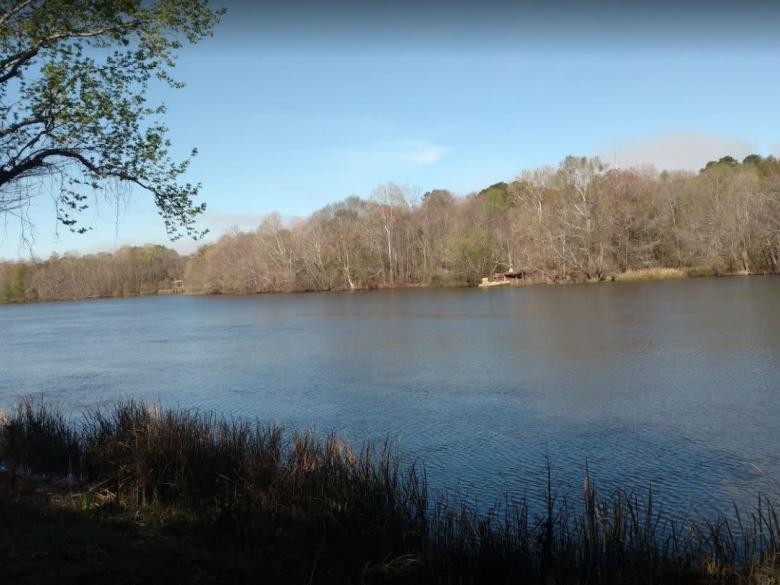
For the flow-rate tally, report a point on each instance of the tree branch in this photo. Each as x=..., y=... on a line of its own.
x=39, y=160
x=19, y=125
x=14, y=10
x=20, y=58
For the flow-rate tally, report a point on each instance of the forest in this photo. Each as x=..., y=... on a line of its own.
x=579, y=221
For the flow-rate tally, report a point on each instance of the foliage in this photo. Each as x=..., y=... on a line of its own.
x=313, y=509
x=495, y=198
x=579, y=221
x=36, y=438
x=73, y=107
x=129, y=271
x=12, y=283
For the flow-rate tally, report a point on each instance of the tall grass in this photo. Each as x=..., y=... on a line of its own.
x=643, y=274
x=365, y=516
x=37, y=438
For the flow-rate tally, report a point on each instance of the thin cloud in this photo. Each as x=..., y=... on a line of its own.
x=678, y=150
x=425, y=153
x=219, y=221
x=415, y=152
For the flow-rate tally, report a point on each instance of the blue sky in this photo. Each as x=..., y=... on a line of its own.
x=290, y=113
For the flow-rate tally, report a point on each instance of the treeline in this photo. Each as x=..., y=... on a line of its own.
x=578, y=221
x=128, y=271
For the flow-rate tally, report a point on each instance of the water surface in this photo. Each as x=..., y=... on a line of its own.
x=672, y=383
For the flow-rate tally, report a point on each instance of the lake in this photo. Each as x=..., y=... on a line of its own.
x=674, y=384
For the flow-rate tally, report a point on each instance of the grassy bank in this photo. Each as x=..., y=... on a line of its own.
x=134, y=493
x=651, y=274
x=638, y=275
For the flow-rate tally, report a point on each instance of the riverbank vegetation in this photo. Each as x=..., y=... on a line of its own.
x=581, y=221
x=121, y=492
x=130, y=271
x=651, y=274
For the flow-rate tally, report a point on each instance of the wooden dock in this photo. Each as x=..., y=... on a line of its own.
x=503, y=278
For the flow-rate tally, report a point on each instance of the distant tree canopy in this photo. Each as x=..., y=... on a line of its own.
x=128, y=271
x=496, y=196
x=579, y=220
x=764, y=165
x=73, y=108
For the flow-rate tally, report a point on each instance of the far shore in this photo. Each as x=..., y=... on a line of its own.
x=629, y=276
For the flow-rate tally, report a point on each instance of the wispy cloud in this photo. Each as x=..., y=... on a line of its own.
x=218, y=222
x=678, y=150
x=415, y=152
x=424, y=153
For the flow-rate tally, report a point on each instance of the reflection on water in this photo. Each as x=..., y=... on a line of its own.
x=674, y=383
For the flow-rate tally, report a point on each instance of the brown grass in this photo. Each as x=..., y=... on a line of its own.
x=650, y=274
x=319, y=511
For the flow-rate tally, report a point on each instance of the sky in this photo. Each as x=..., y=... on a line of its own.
x=297, y=104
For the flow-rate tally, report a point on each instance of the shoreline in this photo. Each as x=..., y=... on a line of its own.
x=315, y=509
x=628, y=277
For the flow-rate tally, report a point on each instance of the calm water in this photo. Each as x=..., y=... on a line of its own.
x=674, y=383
